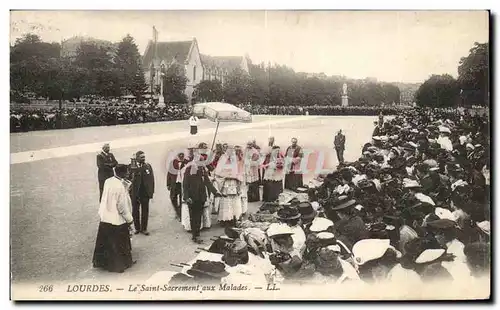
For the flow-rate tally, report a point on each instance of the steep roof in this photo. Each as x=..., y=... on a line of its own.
x=226, y=62
x=70, y=46
x=167, y=51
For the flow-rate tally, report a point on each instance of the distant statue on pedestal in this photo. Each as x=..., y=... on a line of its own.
x=345, y=97
x=161, y=99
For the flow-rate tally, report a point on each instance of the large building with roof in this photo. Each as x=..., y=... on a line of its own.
x=69, y=47
x=197, y=67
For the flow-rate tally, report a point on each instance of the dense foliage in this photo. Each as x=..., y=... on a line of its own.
x=281, y=85
x=472, y=88
x=38, y=69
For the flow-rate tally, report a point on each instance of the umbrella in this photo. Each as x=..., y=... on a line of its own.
x=221, y=112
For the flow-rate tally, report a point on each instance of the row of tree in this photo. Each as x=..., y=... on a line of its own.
x=38, y=69
x=281, y=85
x=471, y=88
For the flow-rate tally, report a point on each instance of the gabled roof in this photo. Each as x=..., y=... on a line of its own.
x=69, y=47
x=167, y=51
x=225, y=62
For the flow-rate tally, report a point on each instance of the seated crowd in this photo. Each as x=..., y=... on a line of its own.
x=22, y=119
x=415, y=207
x=28, y=119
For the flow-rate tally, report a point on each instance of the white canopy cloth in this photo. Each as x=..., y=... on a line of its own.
x=221, y=112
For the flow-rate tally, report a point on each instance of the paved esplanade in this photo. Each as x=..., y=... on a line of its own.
x=54, y=198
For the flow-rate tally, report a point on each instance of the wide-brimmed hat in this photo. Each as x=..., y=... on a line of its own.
x=344, y=205
x=442, y=224
x=288, y=213
x=364, y=184
x=407, y=146
x=367, y=250
x=307, y=211
x=236, y=253
x=424, y=199
x=208, y=269
x=484, y=226
x=443, y=213
x=320, y=224
x=325, y=238
x=279, y=229
x=409, y=183
x=444, y=129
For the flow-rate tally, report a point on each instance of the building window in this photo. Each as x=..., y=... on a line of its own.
x=194, y=73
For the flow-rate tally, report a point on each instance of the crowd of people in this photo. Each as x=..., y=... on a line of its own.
x=415, y=207
x=233, y=176
x=324, y=110
x=23, y=119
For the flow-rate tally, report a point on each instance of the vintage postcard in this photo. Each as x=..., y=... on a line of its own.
x=250, y=155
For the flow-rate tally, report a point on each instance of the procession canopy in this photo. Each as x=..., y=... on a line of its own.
x=221, y=112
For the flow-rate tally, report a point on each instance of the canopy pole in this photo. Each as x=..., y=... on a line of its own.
x=215, y=135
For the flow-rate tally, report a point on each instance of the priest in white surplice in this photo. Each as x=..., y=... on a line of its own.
x=113, y=250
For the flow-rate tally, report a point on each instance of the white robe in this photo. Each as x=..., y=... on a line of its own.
x=193, y=121
x=116, y=206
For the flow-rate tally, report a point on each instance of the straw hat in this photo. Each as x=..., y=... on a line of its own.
x=369, y=249
x=279, y=229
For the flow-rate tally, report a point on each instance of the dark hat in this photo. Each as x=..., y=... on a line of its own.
x=269, y=206
x=208, y=269
x=408, y=147
x=233, y=233
x=306, y=210
x=236, y=253
x=411, y=160
x=346, y=173
x=442, y=224
x=363, y=184
x=287, y=213
x=344, y=205
x=325, y=238
x=392, y=220
x=386, y=177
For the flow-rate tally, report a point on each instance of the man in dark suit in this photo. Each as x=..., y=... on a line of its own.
x=195, y=186
x=105, y=163
x=174, y=185
x=339, y=144
x=142, y=190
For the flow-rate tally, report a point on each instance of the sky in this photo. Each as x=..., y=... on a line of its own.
x=392, y=46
